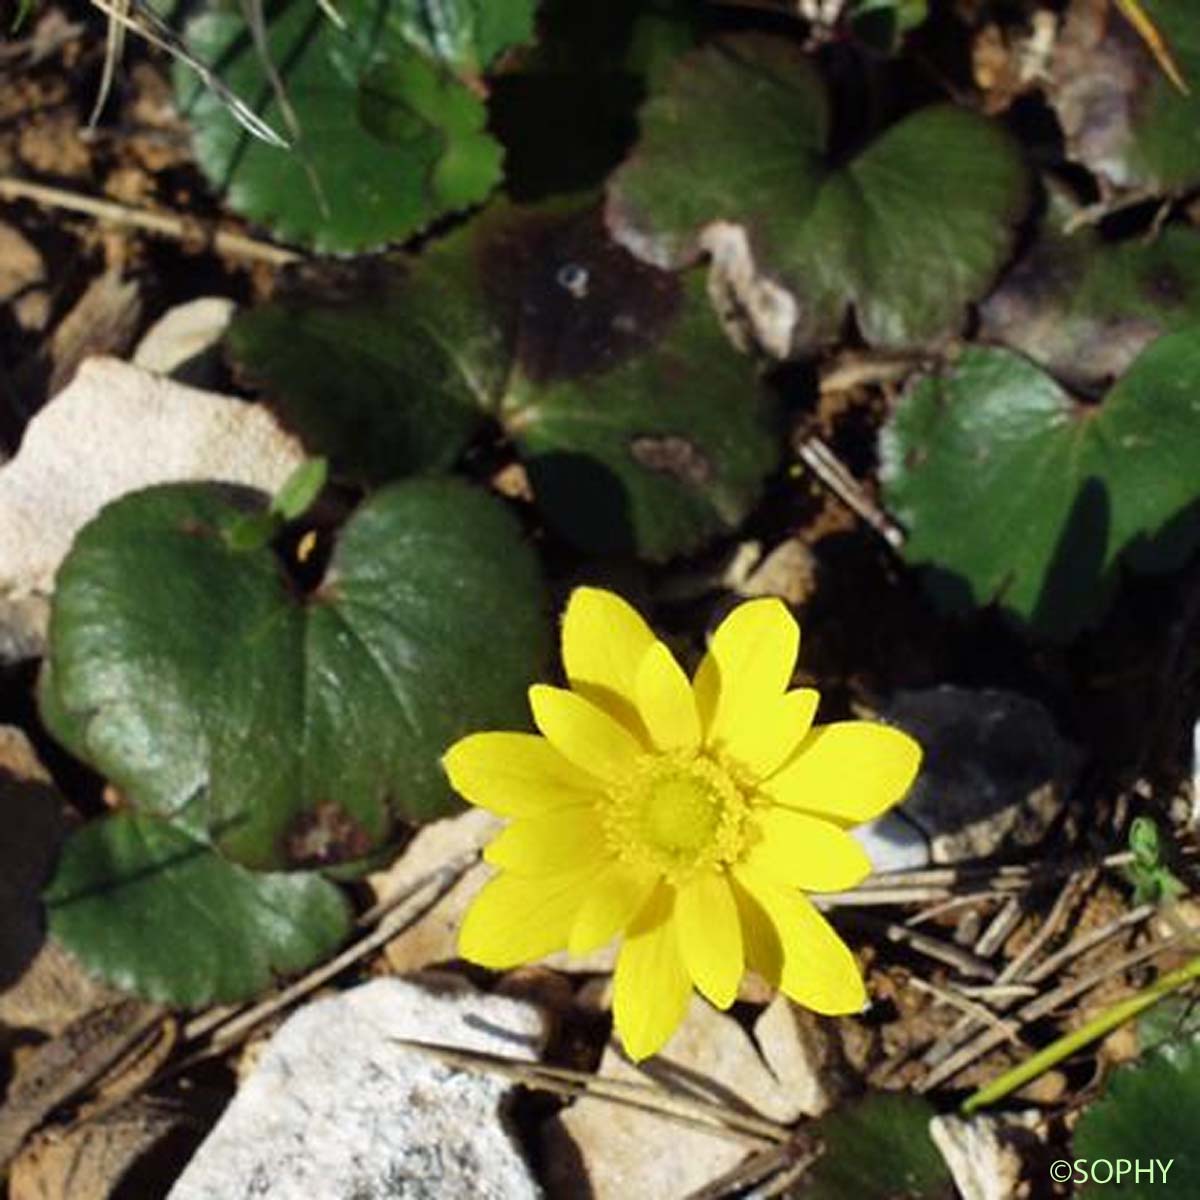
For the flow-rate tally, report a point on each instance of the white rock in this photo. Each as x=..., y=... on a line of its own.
x=338, y=1109
x=610, y=1151
x=893, y=843
x=185, y=339
x=711, y=1055
x=24, y=622
x=116, y=429
x=803, y=1056
x=983, y=1154
x=434, y=937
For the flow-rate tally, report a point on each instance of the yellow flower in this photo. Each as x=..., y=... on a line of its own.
x=689, y=817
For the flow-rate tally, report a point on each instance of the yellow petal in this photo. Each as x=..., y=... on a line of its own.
x=851, y=770
x=665, y=701
x=799, y=850
x=818, y=969
x=583, y=733
x=617, y=895
x=515, y=774
x=651, y=986
x=710, y=936
x=749, y=662
x=516, y=920
x=764, y=744
x=761, y=943
x=566, y=840
x=603, y=642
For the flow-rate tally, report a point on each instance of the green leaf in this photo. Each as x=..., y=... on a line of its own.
x=641, y=428
x=153, y=911
x=1148, y=1113
x=884, y=23
x=389, y=132
x=300, y=489
x=67, y=728
x=293, y=730
x=907, y=233
x=253, y=530
x=1153, y=881
x=1174, y=1020
x=1084, y=308
x=878, y=1147
x=386, y=379
x=1145, y=843
x=1015, y=494
x=24, y=9
x=1122, y=117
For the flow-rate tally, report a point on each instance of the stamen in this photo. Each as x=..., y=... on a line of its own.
x=677, y=813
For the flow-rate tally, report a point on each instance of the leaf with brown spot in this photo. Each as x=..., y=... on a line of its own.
x=1122, y=116
x=640, y=427
x=324, y=836
x=737, y=145
x=1083, y=307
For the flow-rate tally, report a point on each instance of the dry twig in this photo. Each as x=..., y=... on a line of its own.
x=171, y=225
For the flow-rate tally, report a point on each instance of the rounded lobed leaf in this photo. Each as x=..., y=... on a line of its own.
x=1084, y=308
x=1148, y=1114
x=370, y=368
x=1121, y=114
x=293, y=730
x=1013, y=493
x=156, y=912
x=903, y=1159
x=386, y=126
x=907, y=233
x=641, y=428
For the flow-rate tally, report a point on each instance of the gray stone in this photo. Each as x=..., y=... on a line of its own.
x=116, y=429
x=339, y=1109
x=24, y=622
x=185, y=342
x=893, y=843
x=609, y=1151
x=993, y=778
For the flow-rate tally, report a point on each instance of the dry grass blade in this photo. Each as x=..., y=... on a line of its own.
x=965, y=1004
x=1014, y=971
x=1155, y=42
x=1041, y=1007
x=836, y=477
x=165, y=224
x=148, y=25
x=114, y=47
x=764, y=1172
x=689, y=1110
x=326, y=6
x=252, y=10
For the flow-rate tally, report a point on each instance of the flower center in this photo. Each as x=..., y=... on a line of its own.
x=677, y=813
